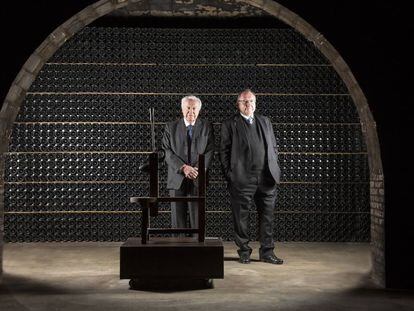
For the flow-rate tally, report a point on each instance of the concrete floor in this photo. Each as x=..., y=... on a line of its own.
x=85, y=276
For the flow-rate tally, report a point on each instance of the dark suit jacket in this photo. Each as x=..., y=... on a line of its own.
x=235, y=155
x=175, y=145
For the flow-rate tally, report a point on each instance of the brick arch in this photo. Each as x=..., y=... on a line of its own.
x=60, y=35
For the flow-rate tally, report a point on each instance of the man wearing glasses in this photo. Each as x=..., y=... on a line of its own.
x=249, y=158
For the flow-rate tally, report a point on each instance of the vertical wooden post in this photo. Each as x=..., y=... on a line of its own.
x=144, y=225
x=149, y=205
x=153, y=162
x=202, y=198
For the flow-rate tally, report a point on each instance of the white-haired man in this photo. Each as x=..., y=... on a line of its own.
x=183, y=140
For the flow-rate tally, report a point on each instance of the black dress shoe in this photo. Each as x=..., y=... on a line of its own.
x=272, y=259
x=244, y=258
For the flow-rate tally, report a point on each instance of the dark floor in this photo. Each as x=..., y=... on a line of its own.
x=85, y=276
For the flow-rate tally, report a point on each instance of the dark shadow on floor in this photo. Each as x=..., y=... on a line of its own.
x=237, y=259
x=26, y=285
x=372, y=291
x=17, y=290
x=170, y=285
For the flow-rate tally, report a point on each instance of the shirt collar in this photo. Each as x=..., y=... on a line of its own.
x=246, y=117
x=188, y=123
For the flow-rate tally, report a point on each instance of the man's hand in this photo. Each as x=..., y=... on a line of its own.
x=190, y=172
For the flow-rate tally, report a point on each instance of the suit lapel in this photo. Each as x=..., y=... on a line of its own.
x=196, y=131
x=196, y=134
x=181, y=136
x=263, y=129
x=241, y=130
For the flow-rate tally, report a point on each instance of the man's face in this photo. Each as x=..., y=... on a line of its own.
x=246, y=103
x=190, y=110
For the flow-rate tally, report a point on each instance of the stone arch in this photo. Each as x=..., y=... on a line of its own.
x=60, y=35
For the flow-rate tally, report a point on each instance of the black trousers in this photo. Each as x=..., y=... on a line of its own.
x=262, y=190
x=180, y=210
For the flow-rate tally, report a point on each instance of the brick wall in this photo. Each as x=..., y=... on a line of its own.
x=377, y=229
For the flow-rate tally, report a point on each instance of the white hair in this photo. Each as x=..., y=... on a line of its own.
x=190, y=97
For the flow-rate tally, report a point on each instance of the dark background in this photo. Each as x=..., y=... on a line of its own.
x=372, y=37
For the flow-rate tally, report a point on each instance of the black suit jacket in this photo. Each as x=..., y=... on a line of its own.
x=175, y=145
x=235, y=155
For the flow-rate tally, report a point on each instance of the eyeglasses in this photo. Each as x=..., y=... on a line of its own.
x=246, y=101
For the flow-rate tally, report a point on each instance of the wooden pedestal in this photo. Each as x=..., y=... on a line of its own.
x=172, y=258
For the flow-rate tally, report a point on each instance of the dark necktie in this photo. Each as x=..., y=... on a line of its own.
x=190, y=132
x=189, y=139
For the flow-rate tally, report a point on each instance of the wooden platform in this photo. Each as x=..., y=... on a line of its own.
x=172, y=258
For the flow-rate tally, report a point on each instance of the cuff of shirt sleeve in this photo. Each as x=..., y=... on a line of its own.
x=180, y=170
